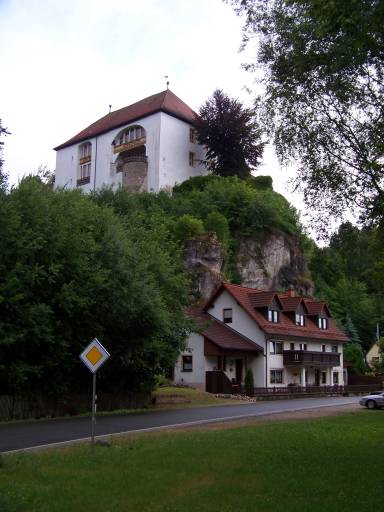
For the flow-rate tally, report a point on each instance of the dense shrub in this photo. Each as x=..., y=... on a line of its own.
x=249, y=383
x=217, y=223
x=188, y=226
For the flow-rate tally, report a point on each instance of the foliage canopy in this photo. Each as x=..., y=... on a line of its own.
x=231, y=135
x=323, y=69
x=70, y=270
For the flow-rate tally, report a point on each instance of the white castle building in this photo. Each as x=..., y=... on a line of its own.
x=148, y=146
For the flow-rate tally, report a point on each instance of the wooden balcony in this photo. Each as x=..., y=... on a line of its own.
x=309, y=358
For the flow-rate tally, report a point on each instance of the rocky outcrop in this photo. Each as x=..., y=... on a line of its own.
x=275, y=261
x=204, y=258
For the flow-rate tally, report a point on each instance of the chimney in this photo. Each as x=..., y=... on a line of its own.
x=291, y=292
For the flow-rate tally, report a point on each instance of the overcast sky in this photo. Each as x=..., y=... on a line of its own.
x=64, y=62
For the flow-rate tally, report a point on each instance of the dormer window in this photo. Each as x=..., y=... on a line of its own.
x=273, y=316
x=323, y=323
x=85, y=156
x=299, y=319
x=227, y=315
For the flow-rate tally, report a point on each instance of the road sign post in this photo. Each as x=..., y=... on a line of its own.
x=94, y=356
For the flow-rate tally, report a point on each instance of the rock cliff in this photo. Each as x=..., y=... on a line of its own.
x=275, y=261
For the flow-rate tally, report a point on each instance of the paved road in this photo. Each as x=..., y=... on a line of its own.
x=31, y=434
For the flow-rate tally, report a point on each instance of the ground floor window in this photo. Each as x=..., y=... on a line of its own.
x=186, y=363
x=276, y=376
x=335, y=377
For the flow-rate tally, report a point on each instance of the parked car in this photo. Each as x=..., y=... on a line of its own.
x=373, y=400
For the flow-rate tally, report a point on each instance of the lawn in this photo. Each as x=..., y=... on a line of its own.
x=327, y=464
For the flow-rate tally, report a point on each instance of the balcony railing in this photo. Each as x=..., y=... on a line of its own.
x=311, y=390
x=309, y=358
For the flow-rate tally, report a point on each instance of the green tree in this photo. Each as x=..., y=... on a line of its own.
x=188, y=226
x=231, y=135
x=353, y=353
x=323, y=67
x=249, y=382
x=72, y=269
x=217, y=223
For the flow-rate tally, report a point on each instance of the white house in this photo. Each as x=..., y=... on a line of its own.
x=285, y=340
x=148, y=146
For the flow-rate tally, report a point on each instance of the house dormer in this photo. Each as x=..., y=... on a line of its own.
x=269, y=304
x=319, y=313
x=273, y=314
x=294, y=308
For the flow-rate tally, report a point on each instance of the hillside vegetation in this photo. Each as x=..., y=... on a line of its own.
x=108, y=265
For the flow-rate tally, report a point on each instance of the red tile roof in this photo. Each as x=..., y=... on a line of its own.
x=291, y=303
x=165, y=101
x=285, y=327
x=261, y=299
x=314, y=307
x=228, y=339
x=221, y=334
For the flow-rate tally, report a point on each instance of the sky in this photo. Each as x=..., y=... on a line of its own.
x=64, y=62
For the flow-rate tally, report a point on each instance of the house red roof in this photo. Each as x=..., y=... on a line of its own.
x=262, y=299
x=221, y=334
x=226, y=338
x=315, y=307
x=291, y=303
x=285, y=327
x=165, y=101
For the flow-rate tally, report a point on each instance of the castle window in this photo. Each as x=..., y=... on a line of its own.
x=85, y=156
x=133, y=136
x=192, y=135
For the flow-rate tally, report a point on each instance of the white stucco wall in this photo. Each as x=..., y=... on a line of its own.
x=292, y=375
x=67, y=159
x=195, y=378
x=245, y=325
x=174, y=152
x=241, y=321
x=167, y=149
x=260, y=365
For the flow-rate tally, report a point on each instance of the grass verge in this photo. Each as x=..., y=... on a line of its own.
x=332, y=464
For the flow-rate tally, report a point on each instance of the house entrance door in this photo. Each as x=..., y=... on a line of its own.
x=317, y=377
x=239, y=370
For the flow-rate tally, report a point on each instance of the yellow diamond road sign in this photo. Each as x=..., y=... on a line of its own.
x=94, y=355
